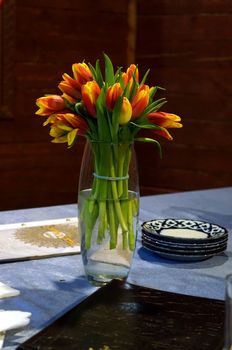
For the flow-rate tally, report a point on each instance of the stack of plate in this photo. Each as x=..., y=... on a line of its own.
x=183, y=239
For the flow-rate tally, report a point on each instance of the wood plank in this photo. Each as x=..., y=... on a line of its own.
x=39, y=20
x=182, y=78
x=39, y=174
x=184, y=157
x=215, y=106
x=198, y=132
x=183, y=7
x=45, y=51
x=183, y=27
x=119, y=6
x=186, y=180
x=187, y=49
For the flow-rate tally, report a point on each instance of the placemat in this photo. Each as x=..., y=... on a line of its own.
x=39, y=239
x=124, y=317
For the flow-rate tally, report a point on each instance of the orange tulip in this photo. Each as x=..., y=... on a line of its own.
x=164, y=121
x=50, y=104
x=125, y=79
x=90, y=92
x=81, y=73
x=133, y=70
x=139, y=103
x=145, y=88
x=70, y=86
x=128, y=76
x=125, y=112
x=69, y=98
x=112, y=95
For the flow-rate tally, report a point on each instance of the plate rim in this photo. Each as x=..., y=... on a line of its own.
x=211, y=253
x=185, y=239
x=189, y=245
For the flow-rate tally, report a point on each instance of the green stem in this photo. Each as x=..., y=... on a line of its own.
x=112, y=223
x=90, y=215
x=117, y=205
x=131, y=235
x=102, y=222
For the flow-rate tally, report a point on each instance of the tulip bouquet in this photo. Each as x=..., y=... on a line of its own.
x=107, y=109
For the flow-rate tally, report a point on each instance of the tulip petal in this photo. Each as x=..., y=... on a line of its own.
x=164, y=133
x=71, y=137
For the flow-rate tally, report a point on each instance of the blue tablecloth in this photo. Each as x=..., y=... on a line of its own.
x=49, y=287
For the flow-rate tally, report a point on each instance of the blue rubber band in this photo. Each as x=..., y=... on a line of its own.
x=117, y=178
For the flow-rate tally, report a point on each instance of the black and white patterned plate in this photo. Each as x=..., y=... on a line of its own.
x=210, y=232
x=183, y=250
x=185, y=245
x=172, y=255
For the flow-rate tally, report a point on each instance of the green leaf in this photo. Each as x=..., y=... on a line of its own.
x=158, y=106
x=102, y=122
x=100, y=104
x=134, y=88
x=99, y=74
x=146, y=126
x=144, y=77
x=109, y=70
x=115, y=117
x=160, y=88
x=154, y=106
x=147, y=139
x=93, y=71
x=117, y=74
x=153, y=91
x=126, y=92
x=119, y=80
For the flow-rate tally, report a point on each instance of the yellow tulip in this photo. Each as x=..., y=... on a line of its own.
x=125, y=112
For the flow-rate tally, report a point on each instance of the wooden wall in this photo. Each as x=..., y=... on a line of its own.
x=49, y=36
x=188, y=44
x=188, y=47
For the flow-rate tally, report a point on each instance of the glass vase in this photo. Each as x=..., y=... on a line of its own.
x=108, y=205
